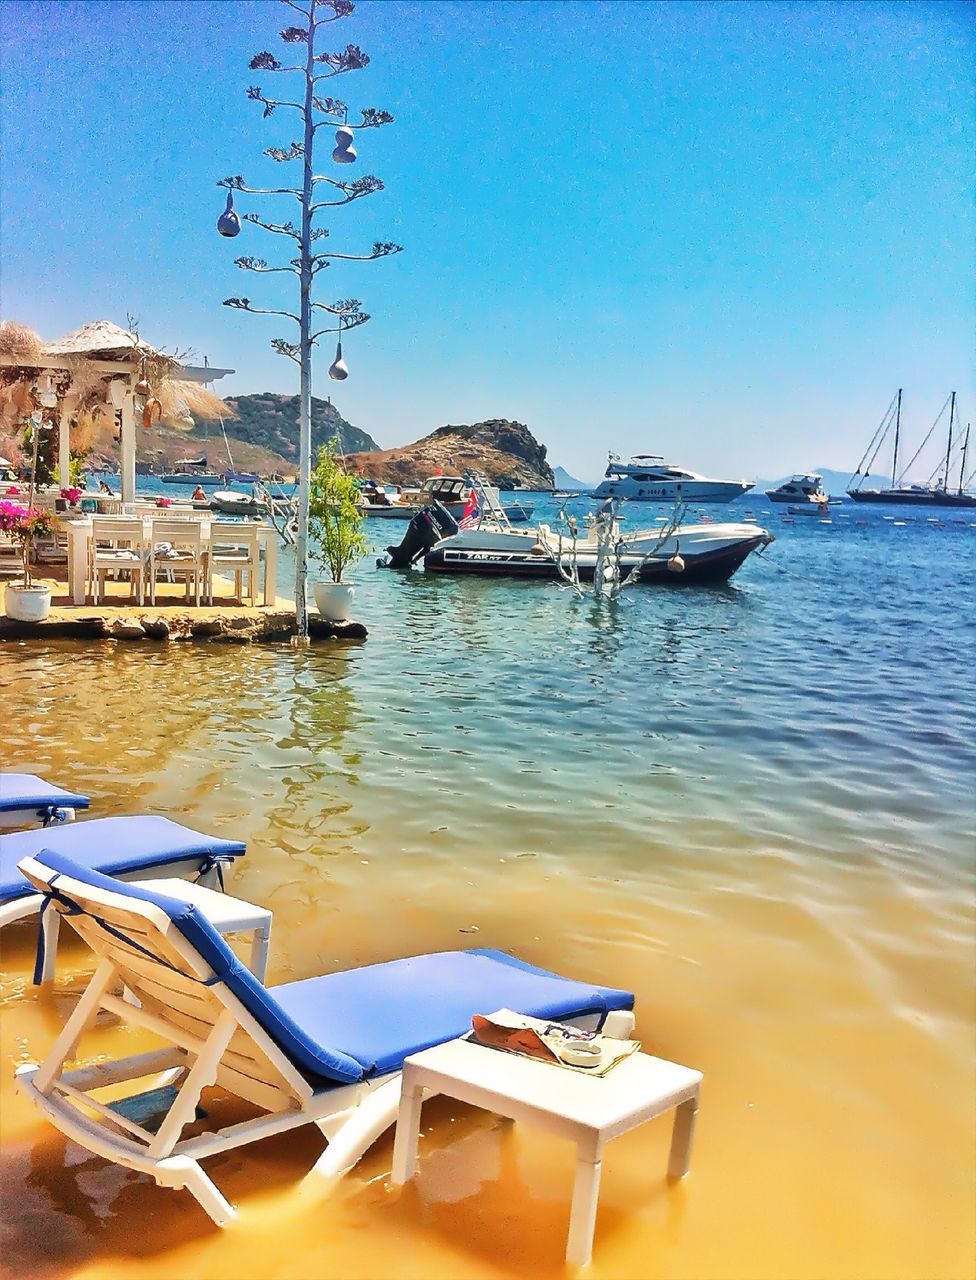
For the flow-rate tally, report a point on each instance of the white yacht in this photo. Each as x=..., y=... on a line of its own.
x=800, y=490
x=648, y=478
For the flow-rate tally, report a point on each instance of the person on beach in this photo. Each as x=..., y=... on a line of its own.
x=198, y=494
x=103, y=487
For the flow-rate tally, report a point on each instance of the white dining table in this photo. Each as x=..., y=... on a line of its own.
x=79, y=531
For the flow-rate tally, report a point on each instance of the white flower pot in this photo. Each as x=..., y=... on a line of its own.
x=27, y=604
x=333, y=600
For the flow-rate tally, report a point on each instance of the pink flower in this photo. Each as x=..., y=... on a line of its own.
x=71, y=495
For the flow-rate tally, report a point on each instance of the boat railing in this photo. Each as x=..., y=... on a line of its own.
x=490, y=506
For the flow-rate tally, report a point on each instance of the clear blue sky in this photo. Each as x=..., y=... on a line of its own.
x=724, y=232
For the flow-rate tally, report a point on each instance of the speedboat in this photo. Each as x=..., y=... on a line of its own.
x=450, y=491
x=800, y=489
x=687, y=553
x=648, y=478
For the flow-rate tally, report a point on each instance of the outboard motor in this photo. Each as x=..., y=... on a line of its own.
x=429, y=526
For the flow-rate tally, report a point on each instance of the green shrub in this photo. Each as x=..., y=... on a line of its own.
x=335, y=523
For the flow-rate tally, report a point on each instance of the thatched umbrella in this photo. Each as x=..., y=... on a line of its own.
x=181, y=402
x=84, y=361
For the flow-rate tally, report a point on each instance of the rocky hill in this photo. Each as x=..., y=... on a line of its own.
x=263, y=437
x=271, y=422
x=505, y=452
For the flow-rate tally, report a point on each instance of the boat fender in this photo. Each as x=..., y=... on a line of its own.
x=537, y=549
x=676, y=562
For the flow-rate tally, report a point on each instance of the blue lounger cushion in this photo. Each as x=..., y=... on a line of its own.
x=382, y=1013
x=344, y=1027
x=25, y=791
x=115, y=846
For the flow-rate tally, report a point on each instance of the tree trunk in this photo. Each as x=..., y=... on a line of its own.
x=305, y=351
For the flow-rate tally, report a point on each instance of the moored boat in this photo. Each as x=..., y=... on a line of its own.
x=192, y=471
x=803, y=488
x=936, y=491
x=648, y=478
x=692, y=553
x=231, y=503
x=379, y=503
x=704, y=553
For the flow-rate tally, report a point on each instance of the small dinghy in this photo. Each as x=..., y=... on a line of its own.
x=230, y=503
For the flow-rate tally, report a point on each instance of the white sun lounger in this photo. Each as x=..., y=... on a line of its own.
x=325, y=1050
x=25, y=798
x=137, y=848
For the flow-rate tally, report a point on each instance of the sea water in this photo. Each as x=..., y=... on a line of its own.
x=752, y=804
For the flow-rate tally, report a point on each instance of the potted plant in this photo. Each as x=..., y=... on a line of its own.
x=26, y=601
x=335, y=527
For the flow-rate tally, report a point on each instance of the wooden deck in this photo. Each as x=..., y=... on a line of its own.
x=172, y=617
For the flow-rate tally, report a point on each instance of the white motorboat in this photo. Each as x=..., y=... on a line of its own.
x=193, y=471
x=688, y=553
x=648, y=478
x=229, y=502
x=378, y=502
x=800, y=489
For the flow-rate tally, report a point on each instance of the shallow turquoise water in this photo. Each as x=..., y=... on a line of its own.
x=820, y=703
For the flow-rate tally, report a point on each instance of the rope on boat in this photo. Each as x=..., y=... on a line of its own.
x=678, y=514
x=877, y=440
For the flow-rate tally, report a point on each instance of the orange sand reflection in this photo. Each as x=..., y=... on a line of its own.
x=827, y=999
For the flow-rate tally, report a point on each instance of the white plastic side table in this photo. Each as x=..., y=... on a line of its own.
x=226, y=914
x=589, y=1110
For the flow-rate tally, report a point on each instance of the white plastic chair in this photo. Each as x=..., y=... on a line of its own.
x=117, y=544
x=183, y=554
x=234, y=546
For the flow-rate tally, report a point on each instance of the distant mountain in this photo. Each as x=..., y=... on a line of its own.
x=505, y=452
x=271, y=422
x=565, y=481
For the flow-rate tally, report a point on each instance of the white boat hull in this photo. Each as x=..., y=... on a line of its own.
x=672, y=490
x=710, y=553
x=230, y=503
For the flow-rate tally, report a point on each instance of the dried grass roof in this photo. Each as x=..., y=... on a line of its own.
x=103, y=340
x=18, y=340
x=181, y=399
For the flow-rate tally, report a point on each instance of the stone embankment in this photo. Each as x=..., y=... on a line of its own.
x=249, y=626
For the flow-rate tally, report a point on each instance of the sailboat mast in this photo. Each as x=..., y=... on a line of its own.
x=952, y=410
x=894, y=461
x=965, y=451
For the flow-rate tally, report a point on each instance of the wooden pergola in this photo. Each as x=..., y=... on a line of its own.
x=117, y=356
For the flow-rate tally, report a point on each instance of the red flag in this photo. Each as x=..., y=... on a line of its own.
x=470, y=513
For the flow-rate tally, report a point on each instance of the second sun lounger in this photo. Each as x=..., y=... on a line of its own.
x=26, y=798
x=136, y=848
x=325, y=1050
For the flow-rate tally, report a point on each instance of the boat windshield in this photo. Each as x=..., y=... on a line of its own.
x=444, y=487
